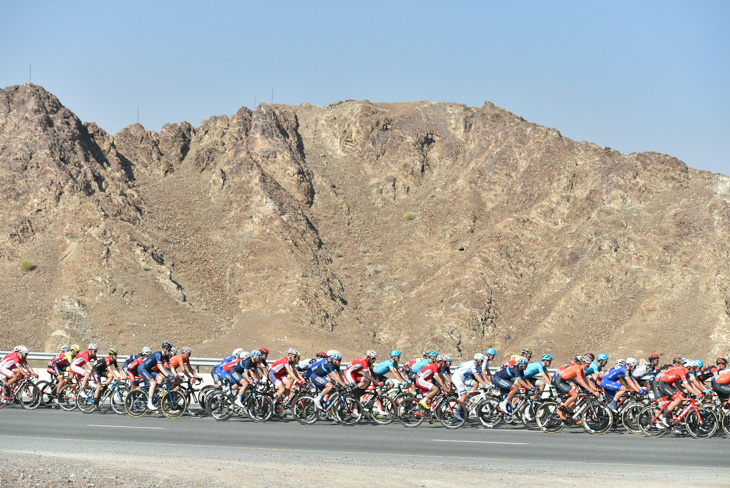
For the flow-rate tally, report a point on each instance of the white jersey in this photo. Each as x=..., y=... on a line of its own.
x=467, y=370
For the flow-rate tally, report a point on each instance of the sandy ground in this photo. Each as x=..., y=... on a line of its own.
x=40, y=469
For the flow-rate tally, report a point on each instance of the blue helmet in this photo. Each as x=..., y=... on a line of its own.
x=546, y=357
x=700, y=363
x=522, y=360
x=491, y=351
x=602, y=357
x=433, y=354
x=395, y=353
x=256, y=353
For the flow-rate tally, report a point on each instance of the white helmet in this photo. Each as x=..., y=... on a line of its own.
x=620, y=362
x=237, y=352
x=22, y=350
x=17, y=348
x=245, y=355
x=293, y=352
x=146, y=351
x=65, y=348
x=480, y=357
x=93, y=347
x=632, y=362
x=372, y=354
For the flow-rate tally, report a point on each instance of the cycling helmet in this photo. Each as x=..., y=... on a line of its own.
x=17, y=348
x=527, y=351
x=721, y=361
x=255, y=353
x=187, y=350
x=329, y=353
x=237, y=352
x=688, y=363
x=441, y=358
x=433, y=354
x=395, y=354
x=65, y=348
x=264, y=350
x=620, y=363
x=75, y=348
x=449, y=359
x=633, y=362
x=146, y=351
x=546, y=357
x=491, y=352
x=480, y=357
x=93, y=347
x=700, y=363
x=293, y=352
x=22, y=350
x=677, y=360
x=173, y=351
x=336, y=356
x=602, y=357
x=245, y=355
x=112, y=350
x=167, y=345
x=653, y=357
x=591, y=355
x=522, y=360
x=585, y=359
x=372, y=354
x=321, y=354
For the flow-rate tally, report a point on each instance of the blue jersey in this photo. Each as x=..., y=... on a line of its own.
x=130, y=360
x=511, y=372
x=416, y=368
x=226, y=361
x=616, y=373
x=593, y=368
x=245, y=365
x=314, y=365
x=154, y=359
x=322, y=368
x=534, y=369
x=384, y=367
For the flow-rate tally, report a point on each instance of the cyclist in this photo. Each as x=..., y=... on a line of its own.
x=721, y=383
x=568, y=380
x=244, y=373
x=12, y=368
x=618, y=380
x=82, y=365
x=539, y=368
x=509, y=380
x=646, y=372
x=283, y=373
x=670, y=381
x=154, y=371
x=263, y=366
x=469, y=372
x=132, y=369
x=324, y=375
x=486, y=373
x=105, y=368
x=146, y=351
x=180, y=363
x=59, y=366
x=217, y=371
x=432, y=371
x=304, y=364
x=389, y=366
x=596, y=365
x=416, y=367
x=359, y=374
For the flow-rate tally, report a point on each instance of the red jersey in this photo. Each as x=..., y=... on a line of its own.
x=572, y=372
x=84, y=358
x=429, y=371
x=279, y=368
x=724, y=377
x=61, y=360
x=359, y=365
x=674, y=374
x=135, y=364
x=226, y=367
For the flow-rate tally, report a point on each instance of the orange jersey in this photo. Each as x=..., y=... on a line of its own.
x=179, y=362
x=572, y=372
x=723, y=378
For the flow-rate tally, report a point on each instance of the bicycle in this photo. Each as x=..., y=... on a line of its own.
x=378, y=406
x=445, y=407
x=699, y=420
x=257, y=404
x=112, y=396
x=199, y=397
x=593, y=414
x=171, y=402
x=25, y=392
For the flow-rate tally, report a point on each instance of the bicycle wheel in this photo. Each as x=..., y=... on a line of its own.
x=702, y=425
x=725, y=422
x=136, y=403
x=220, y=406
x=630, y=418
x=410, y=413
x=347, y=410
x=47, y=393
x=116, y=399
x=173, y=404
x=597, y=418
x=452, y=413
x=305, y=410
x=67, y=398
x=489, y=414
x=381, y=409
x=85, y=399
x=648, y=423
x=548, y=418
x=203, y=395
x=28, y=396
x=260, y=407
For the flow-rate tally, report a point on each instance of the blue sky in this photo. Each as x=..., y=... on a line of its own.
x=632, y=75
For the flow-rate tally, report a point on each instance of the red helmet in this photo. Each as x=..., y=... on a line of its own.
x=321, y=354
x=653, y=357
x=264, y=350
x=721, y=361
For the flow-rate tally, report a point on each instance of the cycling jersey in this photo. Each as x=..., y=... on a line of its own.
x=706, y=373
x=304, y=364
x=674, y=375
x=419, y=365
x=572, y=373
x=534, y=369
x=102, y=365
x=313, y=366
x=611, y=379
x=133, y=367
x=723, y=378
x=77, y=365
x=383, y=367
x=278, y=370
x=424, y=377
x=245, y=365
x=150, y=367
x=354, y=373
x=60, y=363
x=231, y=364
x=130, y=360
x=643, y=373
x=179, y=361
x=319, y=372
x=463, y=373
x=594, y=368
x=9, y=362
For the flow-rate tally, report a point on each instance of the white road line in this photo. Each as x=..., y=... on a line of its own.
x=484, y=442
x=126, y=427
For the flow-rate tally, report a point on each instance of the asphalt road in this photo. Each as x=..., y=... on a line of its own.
x=201, y=438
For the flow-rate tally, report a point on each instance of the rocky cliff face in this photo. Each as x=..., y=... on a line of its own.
x=355, y=225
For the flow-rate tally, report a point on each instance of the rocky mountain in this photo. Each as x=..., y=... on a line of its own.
x=358, y=225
